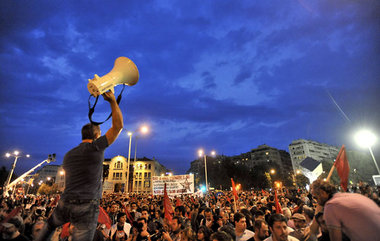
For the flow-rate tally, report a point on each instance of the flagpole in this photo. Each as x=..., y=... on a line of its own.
x=330, y=173
x=235, y=203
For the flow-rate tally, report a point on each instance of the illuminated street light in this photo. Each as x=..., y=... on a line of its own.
x=272, y=171
x=16, y=155
x=201, y=153
x=62, y=173
x=144, y=129
x=366, y=139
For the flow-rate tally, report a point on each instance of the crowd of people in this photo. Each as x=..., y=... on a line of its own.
x=82, y=213
x=301, y=216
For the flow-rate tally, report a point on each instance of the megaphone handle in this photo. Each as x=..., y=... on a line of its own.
x=92, y=109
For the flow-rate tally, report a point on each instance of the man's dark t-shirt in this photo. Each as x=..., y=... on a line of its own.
x=83, y=167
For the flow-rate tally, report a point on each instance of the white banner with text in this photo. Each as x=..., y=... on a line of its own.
x=175, y=185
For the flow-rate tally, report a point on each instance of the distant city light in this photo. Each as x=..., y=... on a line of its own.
x=203, y=189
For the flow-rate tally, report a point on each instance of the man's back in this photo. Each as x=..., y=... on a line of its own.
x=356, y=215
x=83, y=167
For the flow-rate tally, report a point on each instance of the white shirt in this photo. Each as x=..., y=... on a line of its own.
x=245, y=236
x=290, y=238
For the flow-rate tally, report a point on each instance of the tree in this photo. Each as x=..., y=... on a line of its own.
x=45, y=189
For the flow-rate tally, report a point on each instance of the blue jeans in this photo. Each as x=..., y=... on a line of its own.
x=83, y=214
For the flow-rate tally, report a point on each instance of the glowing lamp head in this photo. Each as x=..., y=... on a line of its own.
x=144, y=129
x=365, y=138
x=200, y=152
x=16, y=152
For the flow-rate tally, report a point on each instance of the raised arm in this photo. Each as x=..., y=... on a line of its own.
x=117, y=118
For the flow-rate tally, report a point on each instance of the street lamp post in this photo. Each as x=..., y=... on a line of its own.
x=16, y=156
x=201, y=153
x=129, y=160
x=144, y=129
x=366, y=139
x=294, y=177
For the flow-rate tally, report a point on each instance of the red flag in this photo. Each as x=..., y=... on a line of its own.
x=178, y=202
x=13, y=213
x=278, y=206
x=234, y=189
x=65, y=230
x=342, y=167
x=129, y=216
x=103, y=218
x=168, y=207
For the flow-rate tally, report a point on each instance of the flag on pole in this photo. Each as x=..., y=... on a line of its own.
x=234, y=189
x=103, y=218
x=278, y=206
x=129, y=216
x=342, y=167
x=167, y=205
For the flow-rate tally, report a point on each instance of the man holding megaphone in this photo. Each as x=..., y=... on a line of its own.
x=83, y=167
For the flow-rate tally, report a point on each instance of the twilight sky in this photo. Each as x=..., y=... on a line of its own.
x=223, y=75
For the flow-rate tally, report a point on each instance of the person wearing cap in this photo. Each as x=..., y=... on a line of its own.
x=11, y=230
x=299, y=224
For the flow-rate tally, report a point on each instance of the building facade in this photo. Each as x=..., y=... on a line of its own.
x=46, y=173
x=265, y=153
x=141, y=172
x=301, y=148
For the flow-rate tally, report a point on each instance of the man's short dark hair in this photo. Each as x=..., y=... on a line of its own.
x=141, y=219
x=259, y=213
x=181, y=209
x=276, y=218
x=230, y=231
x=238, y=216
x=208, y=210
x=179, y=220
x=119, y=215
x=88, y=131
x=220, y=236
x=259, y=223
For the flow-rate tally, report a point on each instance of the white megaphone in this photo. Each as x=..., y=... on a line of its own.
x=124, y=72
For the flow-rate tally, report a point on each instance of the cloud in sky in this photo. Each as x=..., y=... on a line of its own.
x=222, y=75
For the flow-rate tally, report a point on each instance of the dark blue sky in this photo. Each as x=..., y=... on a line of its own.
x=223, y=75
